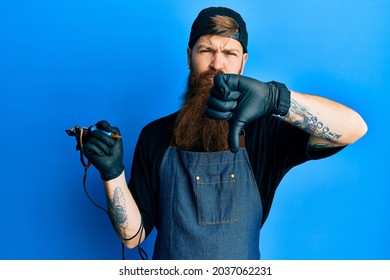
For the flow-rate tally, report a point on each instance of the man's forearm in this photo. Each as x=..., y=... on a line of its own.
x=123, y=211
x=330, y=123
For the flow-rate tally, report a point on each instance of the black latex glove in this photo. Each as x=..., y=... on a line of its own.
x=104, y=152
x=241, y=100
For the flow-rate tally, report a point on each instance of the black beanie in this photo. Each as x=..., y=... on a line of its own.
x=201, y=24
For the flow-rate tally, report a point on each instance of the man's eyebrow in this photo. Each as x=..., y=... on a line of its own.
x=211, y=47
x=231, y=50
x=206, y=45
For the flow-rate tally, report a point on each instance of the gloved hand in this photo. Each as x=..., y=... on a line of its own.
x=104, y=152
x=241, y=100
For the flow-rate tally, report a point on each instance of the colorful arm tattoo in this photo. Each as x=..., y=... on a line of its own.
x=303, y=119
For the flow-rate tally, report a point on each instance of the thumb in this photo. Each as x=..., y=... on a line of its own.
x=235, y=129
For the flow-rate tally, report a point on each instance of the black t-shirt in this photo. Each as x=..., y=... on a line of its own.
x=273, y=145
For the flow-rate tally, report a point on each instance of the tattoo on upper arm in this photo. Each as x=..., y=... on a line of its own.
x=303, y=119
x=117, y=209
x=318, y=146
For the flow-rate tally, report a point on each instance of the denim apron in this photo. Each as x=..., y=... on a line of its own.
x=209, y=206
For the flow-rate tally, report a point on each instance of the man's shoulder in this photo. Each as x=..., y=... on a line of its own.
x=160, y=127
x=162, y=123
x=167, y=120
x=155, y=137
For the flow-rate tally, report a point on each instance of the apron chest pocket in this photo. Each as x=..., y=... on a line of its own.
x=216, y=199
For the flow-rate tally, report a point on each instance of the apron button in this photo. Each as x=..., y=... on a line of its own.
x=232, y=175
x=197, y=178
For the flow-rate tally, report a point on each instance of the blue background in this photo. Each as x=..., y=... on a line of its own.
x=68, y=62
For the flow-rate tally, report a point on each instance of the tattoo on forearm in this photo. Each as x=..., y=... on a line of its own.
x=117, y=209
x=303, y=119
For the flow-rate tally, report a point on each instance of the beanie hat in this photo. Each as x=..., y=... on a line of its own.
x=201, y=25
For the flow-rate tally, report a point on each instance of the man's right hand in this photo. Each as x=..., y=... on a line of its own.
x=104, y=152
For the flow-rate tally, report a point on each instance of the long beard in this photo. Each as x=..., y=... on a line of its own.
x=193, y=130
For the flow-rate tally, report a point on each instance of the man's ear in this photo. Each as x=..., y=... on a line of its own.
x=244, y=59
x=189, y=64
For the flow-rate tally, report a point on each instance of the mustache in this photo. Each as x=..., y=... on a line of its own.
x=206, y=75
x=199, y=82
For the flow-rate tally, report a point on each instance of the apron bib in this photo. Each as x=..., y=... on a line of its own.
x=209, y=206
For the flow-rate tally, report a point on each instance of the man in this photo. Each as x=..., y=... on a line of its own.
x=206, y=175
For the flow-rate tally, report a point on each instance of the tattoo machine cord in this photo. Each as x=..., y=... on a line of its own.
x=82, y=134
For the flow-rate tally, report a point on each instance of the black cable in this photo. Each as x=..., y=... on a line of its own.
x=141, y=251
x=86, y=192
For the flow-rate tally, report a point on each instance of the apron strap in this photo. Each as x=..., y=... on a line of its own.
x=242, y=139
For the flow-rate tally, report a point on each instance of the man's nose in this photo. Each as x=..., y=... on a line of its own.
x=218, y=61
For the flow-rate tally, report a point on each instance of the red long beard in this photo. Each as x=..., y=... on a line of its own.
x=193, y=130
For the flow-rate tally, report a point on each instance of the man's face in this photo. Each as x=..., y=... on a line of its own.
x=213, y=52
